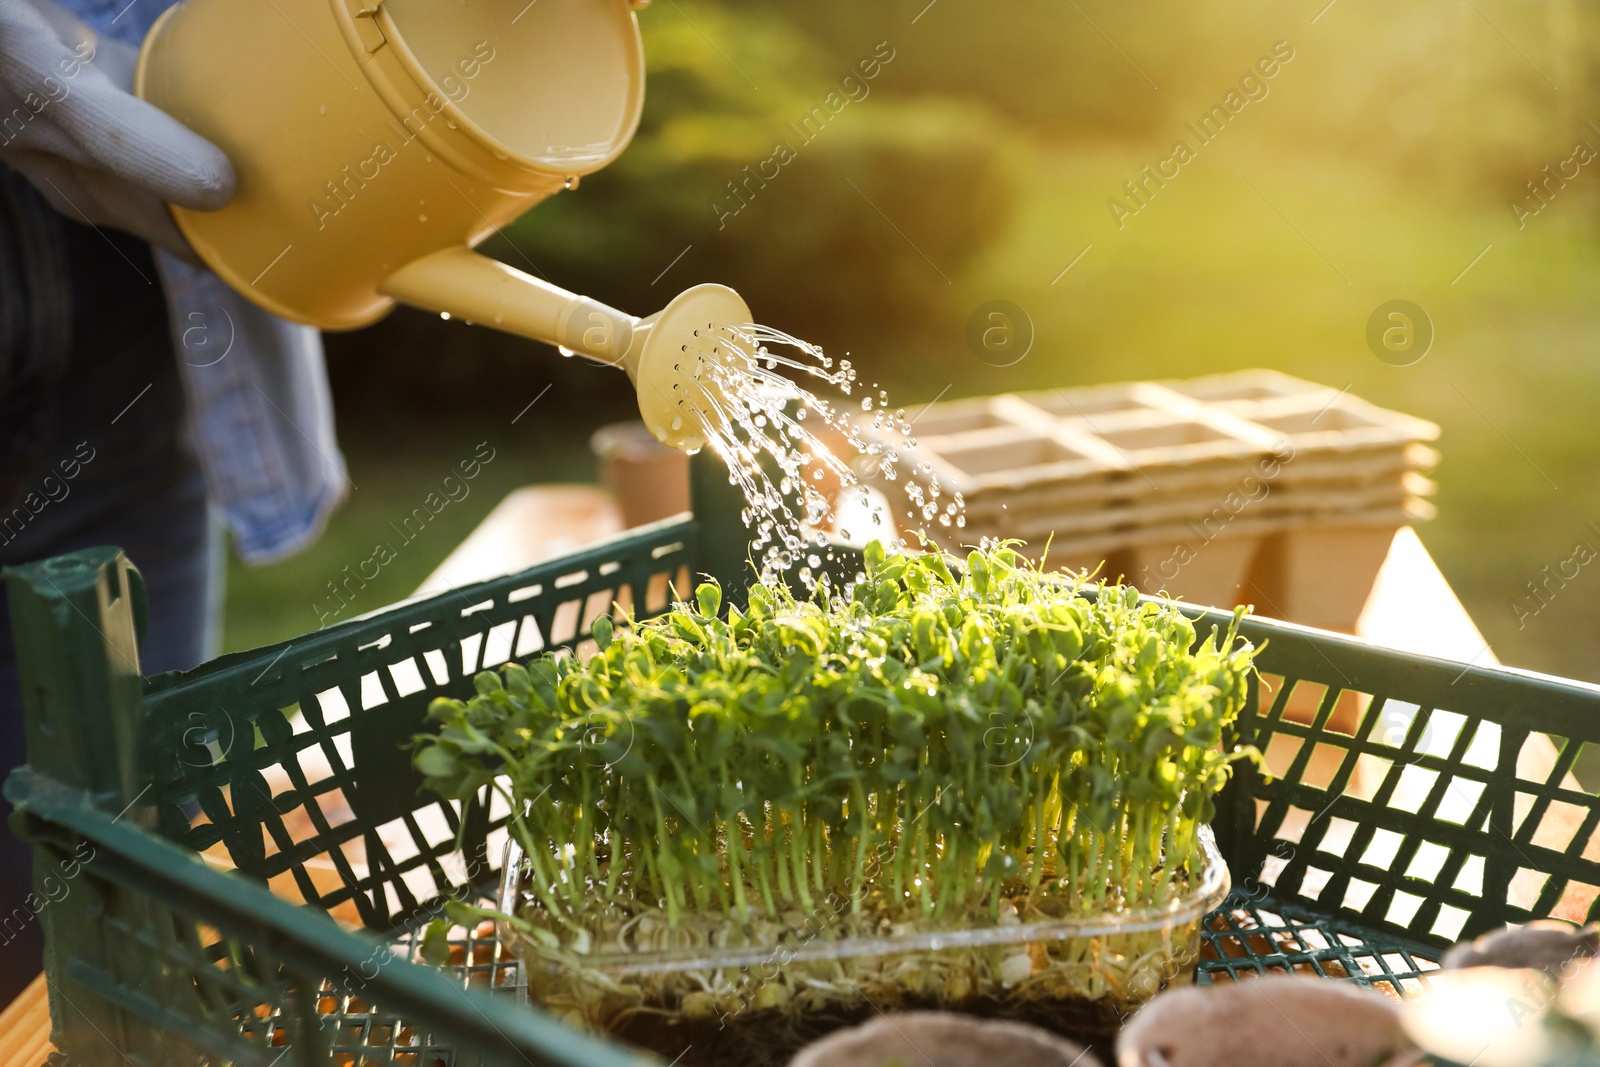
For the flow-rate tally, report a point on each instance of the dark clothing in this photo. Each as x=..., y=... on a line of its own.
x=93, y=451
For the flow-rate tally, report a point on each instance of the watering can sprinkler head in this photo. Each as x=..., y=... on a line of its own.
x=670, y=361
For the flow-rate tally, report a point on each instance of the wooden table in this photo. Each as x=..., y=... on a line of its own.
x=25, y=1028
x=1411, y=608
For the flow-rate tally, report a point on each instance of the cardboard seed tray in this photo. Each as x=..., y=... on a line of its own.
x=1106, y=467
x=1209, y=428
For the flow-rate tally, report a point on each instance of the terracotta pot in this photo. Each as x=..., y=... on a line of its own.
x=940, y=1039
x=1211, y=574
x=650, y=480
x=1321, y=574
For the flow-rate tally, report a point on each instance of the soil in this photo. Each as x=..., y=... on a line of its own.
x=769, y=1038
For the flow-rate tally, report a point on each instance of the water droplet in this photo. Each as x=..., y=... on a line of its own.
x=750, y=423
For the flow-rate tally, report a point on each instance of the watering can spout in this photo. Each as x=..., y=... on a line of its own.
x=665, y=355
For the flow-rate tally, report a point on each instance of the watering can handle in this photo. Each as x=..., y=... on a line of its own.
x=465, y=285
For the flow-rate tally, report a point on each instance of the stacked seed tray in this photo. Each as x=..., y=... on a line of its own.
x=1247, y=487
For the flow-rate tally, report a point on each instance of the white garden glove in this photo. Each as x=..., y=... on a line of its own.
x=70, y=125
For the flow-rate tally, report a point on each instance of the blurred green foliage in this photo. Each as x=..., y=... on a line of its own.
x=1382, y=161
x=882, y=231
x=732, y=92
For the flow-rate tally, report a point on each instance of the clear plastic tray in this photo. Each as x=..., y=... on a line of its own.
x=755, y=1003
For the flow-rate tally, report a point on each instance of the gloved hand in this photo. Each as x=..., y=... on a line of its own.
x=70, y=125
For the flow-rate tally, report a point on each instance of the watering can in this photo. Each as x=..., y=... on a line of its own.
x=377, y=142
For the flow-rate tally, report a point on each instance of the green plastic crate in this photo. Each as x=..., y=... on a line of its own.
x=156, y=957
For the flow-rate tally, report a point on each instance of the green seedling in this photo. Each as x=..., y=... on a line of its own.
x=940, y=745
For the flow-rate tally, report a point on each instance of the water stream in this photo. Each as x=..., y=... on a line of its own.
x=781, y=439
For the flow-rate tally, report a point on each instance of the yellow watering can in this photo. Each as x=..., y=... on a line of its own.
x=378, y=141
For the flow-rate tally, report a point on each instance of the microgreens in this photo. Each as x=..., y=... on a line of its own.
x=937, y=743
